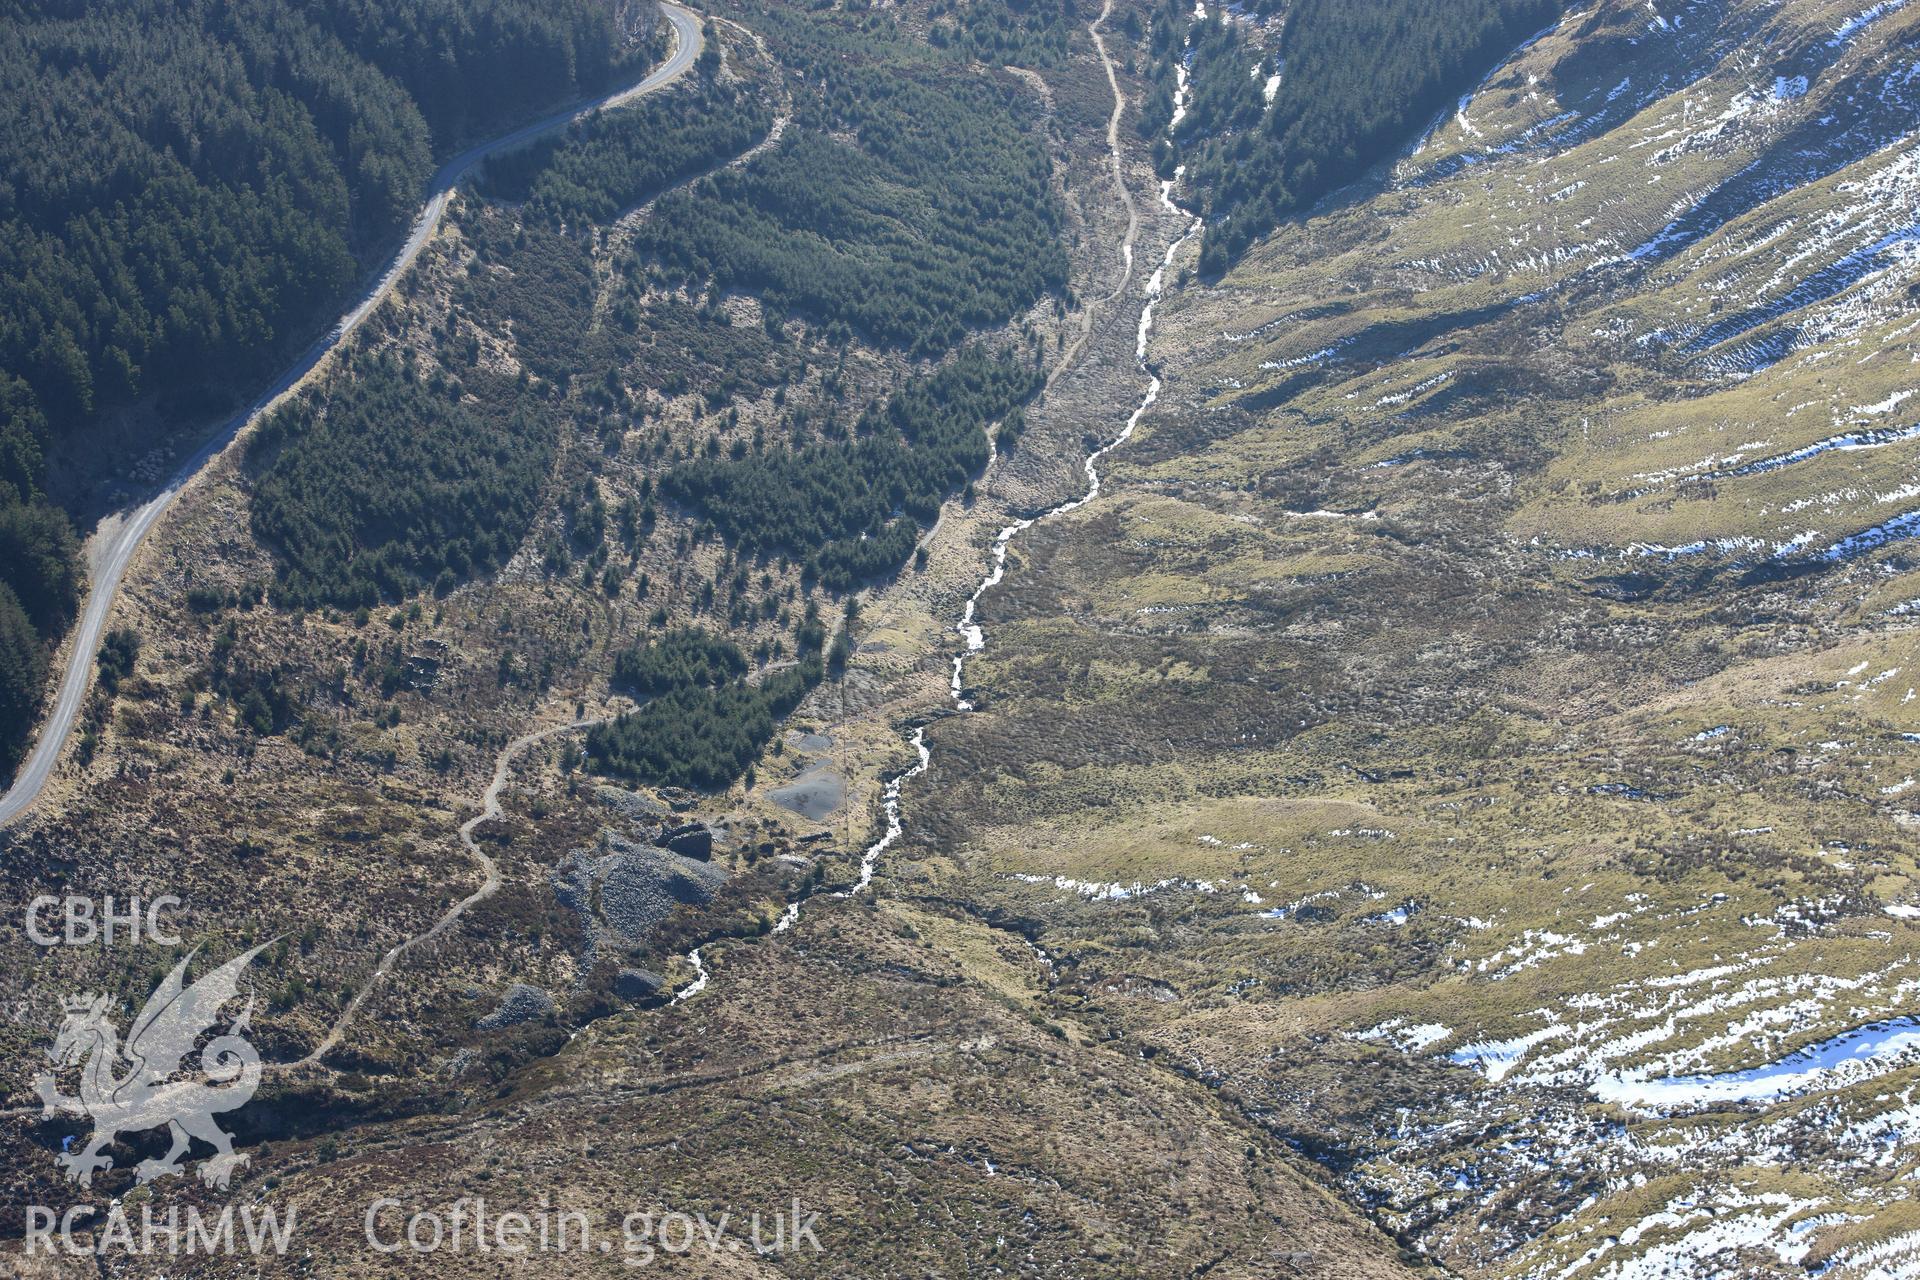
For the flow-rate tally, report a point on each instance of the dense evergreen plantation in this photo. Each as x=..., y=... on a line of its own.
x=1020, y=33
x=39, y=574
x=852, y=509
x=546, y=291
x=684, y=658
x=225, y=172
x=704, y=724
x=187, y=184
x=39, y=589
x=391, y=484
x=186, y=181
x=1358, y=80
x=937, y=218
x=623, y=158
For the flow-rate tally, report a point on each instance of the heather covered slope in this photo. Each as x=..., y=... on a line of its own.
x=1477, y=731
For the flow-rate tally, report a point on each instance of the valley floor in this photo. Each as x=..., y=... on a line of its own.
x=1441, y=802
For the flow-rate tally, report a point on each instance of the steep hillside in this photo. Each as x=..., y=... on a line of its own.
x=1476, y=732
x=186, y=190
x=1283, y=102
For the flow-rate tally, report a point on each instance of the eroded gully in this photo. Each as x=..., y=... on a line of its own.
x=972, y=634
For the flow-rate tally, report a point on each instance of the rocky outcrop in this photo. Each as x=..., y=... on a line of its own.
x=631, y=805
x=634, y=985
x=689, y=840
x=623, y=889
x=521, y=1004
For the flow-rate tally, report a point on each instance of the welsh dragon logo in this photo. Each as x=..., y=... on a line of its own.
x=142, y=1085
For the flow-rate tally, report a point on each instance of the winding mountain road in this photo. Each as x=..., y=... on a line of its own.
x=119, y=536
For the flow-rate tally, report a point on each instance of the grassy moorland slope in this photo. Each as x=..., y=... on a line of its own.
x=1480, y=726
